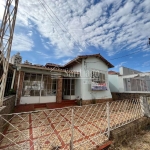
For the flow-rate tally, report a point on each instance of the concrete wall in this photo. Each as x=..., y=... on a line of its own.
x=121, y=96
x=7, y=108
x=123, y=83
x=120, y=135
x=113, y=83
x=127, y=71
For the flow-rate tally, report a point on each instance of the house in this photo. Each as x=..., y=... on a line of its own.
x=129, y=81
x=85, y=77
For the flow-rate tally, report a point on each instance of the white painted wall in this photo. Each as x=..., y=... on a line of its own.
x=72, y=97
x=47, y=99
x=89, y=64
x=127, y=71
x=78, y=85
x=113, y=83
x=37, y=99
x=118, y=84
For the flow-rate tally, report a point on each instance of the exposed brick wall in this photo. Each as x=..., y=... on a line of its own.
x=7, y=108
x=59, y=90
x=16, y=80
x=19, y=89
x=121, y=96
x=128, y=131
x=87, y=102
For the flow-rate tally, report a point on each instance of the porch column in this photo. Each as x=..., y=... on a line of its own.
x=19, y=87
x=12, y=83
x=59, y=90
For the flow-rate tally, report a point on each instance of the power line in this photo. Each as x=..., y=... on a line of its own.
x=126, y=55
x=48, y=14
x=60, y=22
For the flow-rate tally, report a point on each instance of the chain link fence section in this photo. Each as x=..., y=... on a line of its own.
x=46, y=129
x=67, y=128
x=90, y=126
x=124, y=111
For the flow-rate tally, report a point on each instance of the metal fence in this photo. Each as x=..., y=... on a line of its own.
x=67, y=128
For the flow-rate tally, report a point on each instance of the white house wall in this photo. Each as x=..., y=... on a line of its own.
x=90, y=64
x=77, y=68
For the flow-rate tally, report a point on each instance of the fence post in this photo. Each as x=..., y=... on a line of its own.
x=142, y=104
x=108, y=118
x=72, y=128
x=145, y=105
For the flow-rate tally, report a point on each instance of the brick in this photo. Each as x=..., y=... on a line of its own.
x=59, y=90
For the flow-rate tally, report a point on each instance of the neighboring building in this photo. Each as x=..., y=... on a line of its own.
x=113, y=72
x=16, y=59
x=27, y=62
x=84, y=77
x=129, y=81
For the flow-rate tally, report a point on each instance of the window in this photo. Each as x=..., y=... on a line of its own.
x=98, y=81
x=35, y=84
x=48, y=86
x=32, y=84
x=98, y=77
x=69, y=86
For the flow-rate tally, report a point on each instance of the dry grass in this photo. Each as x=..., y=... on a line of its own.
x=140, y=141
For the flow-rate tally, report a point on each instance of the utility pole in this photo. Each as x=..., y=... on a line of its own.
x=6, y=37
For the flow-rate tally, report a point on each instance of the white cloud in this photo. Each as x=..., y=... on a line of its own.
x=43, y=54
x=2, y=3
x=120, y=64
x=22, y=42
x=146, y=64
x=145, y=55
x=30, y=33
x=65, y=61
x=71, y=26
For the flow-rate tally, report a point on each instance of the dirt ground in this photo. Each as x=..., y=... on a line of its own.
x=140, y=141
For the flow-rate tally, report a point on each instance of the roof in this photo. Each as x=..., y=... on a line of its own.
x=79, y=58
x=53, y=65
x=113, y=72
x=48, y=68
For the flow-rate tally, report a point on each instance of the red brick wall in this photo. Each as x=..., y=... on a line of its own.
x=87, y=102
x=59, y=90
x=19, y=89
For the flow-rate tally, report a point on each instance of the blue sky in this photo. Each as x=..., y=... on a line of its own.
x=57, y=31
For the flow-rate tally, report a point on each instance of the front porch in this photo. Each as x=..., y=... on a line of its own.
x=38, y=85
x=34, y=107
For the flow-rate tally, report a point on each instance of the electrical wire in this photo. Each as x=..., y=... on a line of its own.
x=61, y=23
x=126, y=55
x=48, y=14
